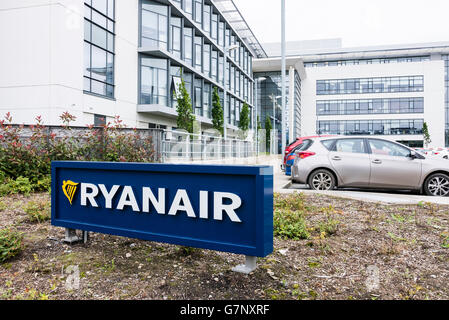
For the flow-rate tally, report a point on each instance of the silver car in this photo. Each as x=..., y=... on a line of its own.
x=368, y=162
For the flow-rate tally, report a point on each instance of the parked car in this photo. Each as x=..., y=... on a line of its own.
x=368, y=162
x=441, y=152
x=292, y=155
x=290, y=148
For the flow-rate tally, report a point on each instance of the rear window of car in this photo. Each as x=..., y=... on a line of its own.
x=328, y=143
x=304, y=145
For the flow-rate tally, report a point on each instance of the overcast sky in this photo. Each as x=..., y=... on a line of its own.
x=357, y=22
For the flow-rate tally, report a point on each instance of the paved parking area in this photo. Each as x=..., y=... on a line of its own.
x=282, y=184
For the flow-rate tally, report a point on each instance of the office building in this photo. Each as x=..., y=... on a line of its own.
x=385, y=91
x=100, y=58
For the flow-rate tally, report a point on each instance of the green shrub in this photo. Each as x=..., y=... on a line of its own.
x=20, y=185
x=10, y=244
x=290, y=224
x=43, y=184
x=38, y=211
x=2, y=205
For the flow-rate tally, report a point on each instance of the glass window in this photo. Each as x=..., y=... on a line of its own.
x=328, y=144
x=214, y=26
x=350, y=145
x=387, y=148
x=99, y=47
x=188, y=7
x=153, y=81
x=100, y=5
x=198, y=11
x=188, y=45
x=176, y=36
x=198, y=52
x=198, y=97
x=206, y=59
x=207, y=100
x=221, y=34
x=370, y=85
x=154, y=27
x=214, y=65
x=206, y=18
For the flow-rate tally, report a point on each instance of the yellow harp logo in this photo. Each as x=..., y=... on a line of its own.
x=69, y=188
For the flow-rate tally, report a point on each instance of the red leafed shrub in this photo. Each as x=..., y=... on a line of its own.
x=28, y=151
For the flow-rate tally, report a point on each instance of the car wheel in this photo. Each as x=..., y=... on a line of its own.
x=437, y=185
x=322, y=180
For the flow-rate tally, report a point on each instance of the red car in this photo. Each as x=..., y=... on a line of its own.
x=293, y=145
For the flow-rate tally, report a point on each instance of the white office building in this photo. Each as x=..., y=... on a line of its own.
x=98, y=59
x=388, y=91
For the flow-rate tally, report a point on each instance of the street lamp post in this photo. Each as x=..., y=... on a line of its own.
x=283, y=52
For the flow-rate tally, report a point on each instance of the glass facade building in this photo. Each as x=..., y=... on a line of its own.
x=187, y=38
x=269, y=87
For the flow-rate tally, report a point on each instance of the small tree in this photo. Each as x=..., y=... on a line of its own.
x=426, y=135
x=217, y=112
x=268, y=128
x=186, y=117
x=244, y=121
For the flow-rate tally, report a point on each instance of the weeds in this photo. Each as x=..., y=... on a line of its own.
x=290, y=224
x=10, y=244
x=37, y=211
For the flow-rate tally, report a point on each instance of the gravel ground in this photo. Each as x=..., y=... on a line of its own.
x=375, y=252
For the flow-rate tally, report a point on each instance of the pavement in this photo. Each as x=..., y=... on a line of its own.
x=283, y=184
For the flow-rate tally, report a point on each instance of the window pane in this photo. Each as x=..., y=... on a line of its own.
x=98, y=87
x=87, y=59
x=98, y=64
x=99, y=36
x=100, y=5
x=380, y=147
x=350, y=145
x=87, y=30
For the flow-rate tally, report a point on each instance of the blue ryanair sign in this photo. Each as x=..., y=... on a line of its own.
x=223, y=208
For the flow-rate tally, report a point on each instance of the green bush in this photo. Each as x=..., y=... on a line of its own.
x=43, y=184
x=290, y=224
x=38, y=211
x=2, y=206
x=20, y=185
x=10, y=244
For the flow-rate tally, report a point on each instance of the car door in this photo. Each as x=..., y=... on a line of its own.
x=392, y=165
x=350, y=160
